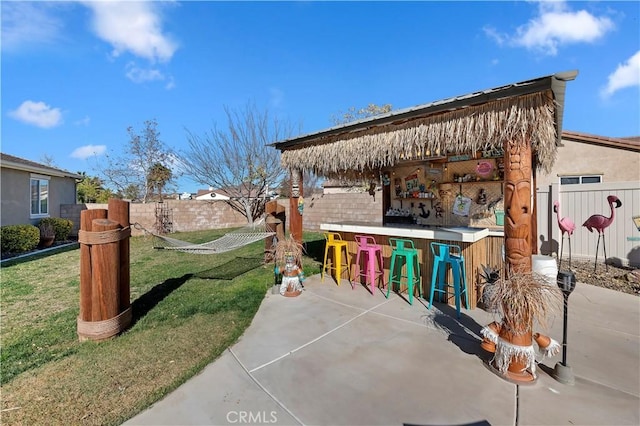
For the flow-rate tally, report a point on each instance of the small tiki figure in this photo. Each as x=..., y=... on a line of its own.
x=288, y=258
x=482, y=197
x=292, y=276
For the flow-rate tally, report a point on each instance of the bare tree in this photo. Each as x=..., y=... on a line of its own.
x=354, y=114
x=134, y=168
x=238, y=159
x=48, y=160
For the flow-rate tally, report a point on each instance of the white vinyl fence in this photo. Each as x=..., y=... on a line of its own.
x=579, y=202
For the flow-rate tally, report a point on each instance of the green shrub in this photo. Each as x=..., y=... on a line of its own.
x=62, y=227
x=19, y=238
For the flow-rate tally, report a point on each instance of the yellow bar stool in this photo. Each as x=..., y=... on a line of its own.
x=404, y=253
x=336, y=244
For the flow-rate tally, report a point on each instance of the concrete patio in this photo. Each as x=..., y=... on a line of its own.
x=337, y=356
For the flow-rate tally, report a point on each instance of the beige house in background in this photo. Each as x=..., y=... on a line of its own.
x=32, y=191
x=583, y=158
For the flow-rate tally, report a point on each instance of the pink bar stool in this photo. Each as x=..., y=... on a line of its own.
x=372, y=253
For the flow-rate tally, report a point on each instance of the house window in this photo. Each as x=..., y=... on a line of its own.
x=575, y=180
x=39, y=196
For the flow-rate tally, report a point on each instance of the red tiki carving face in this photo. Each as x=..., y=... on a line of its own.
x=517, y=201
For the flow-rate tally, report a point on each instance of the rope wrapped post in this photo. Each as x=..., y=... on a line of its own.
x=105, y=309
x=105, y=259
x=86, y=218
x=119, y=212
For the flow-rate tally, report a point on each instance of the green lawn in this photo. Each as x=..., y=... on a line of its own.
x=187, y=309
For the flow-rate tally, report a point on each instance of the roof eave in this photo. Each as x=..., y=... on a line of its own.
x=40, y=170
x=619, y=143
x=558, y=86
x=555, y=82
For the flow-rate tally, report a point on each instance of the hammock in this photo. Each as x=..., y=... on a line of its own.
x=230, y=241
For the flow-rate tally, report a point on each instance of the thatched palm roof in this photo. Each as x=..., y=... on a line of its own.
x=529, y=111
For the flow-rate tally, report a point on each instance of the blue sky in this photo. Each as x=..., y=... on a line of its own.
x=75, y=75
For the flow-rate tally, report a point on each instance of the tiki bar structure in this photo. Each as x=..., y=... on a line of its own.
x=459, y=171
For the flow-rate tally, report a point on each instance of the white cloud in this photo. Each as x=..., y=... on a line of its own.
x=87, y=151
x=134, y=27
x=37, y=113
x=555, y=26
x=28, y=23
x=83, y=122
x=626, y=75
x=141, y=75
x=499, y=38
x=171, y=84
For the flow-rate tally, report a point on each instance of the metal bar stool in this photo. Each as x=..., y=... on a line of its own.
x=406, y=254
x=445, y=255
x=372, y=254
x=335, y=243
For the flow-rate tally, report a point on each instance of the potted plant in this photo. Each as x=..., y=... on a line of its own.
x=47, y=234
x=522, y=299
x=489, y=275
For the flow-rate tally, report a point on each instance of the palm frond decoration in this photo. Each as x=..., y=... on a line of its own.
x=287, y=247
x=524, y=298
x=524, y=119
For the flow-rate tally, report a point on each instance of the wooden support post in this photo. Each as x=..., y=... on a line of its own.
x=517, y=241
x=86, y=218
x=105, y=258
x=517, y=205
x=119, y=212
x=295, y=218
x=534, y=214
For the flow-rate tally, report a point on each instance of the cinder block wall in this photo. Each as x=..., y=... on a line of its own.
x=192, y=215
x=184, y=215
x=351, y=206
x=579, y=202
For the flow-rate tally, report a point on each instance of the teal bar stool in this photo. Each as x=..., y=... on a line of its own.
x=445, y=256
x=406, y=254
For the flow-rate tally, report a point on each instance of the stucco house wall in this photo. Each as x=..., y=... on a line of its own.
x=15, y=195
x=616, y=159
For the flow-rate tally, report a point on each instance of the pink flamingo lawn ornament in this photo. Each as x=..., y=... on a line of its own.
x=600, y=223
x=566, y=226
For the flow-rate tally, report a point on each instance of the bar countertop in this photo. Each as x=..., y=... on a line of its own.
x=453, y=233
